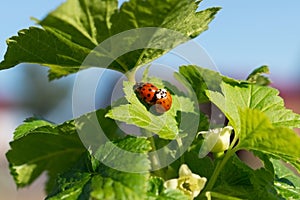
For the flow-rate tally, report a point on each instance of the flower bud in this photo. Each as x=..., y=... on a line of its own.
x=215, y=140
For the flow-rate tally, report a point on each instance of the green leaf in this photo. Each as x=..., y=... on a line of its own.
x=125, y=185
x=115, y=155
x=203, y=167
x=287, y=183
x=239, y=180
x=257, y=77
x=40, y=148
x=86, y=23
x=258, y=134
x=71, y=32
x=177, y=15
x=73, y=184
x=109, y=126
x=29, y=125
x=201, y=79
x=265, y=99
x=155, y=186
x=102, y=182
x=36, y=45
x=135, y=113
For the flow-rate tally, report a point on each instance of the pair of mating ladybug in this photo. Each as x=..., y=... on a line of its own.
x=161, y=99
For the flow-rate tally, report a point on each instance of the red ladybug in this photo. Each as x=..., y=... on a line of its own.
x=163, y=101
x=146, y=92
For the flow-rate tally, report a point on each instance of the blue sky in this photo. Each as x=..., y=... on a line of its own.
x=244, y=35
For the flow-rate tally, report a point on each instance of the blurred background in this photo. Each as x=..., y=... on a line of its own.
x=244, y=35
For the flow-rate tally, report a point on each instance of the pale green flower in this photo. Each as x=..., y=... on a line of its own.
x=215, y=140
x=191, y=184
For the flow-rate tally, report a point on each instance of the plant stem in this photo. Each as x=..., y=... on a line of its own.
x=154, y=158
x=221, y=164
x=220, y=196
x=179, y=142
x=131, y=75
x=218, y=169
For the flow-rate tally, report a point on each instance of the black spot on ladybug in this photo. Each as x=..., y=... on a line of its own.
x=148, y=95
x=149, y=89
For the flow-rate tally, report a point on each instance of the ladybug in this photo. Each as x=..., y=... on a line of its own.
x=163, y=100
x=147, y=92
x=160, y=99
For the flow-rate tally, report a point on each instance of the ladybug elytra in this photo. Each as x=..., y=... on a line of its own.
x=147, y=92
x=161, y=99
